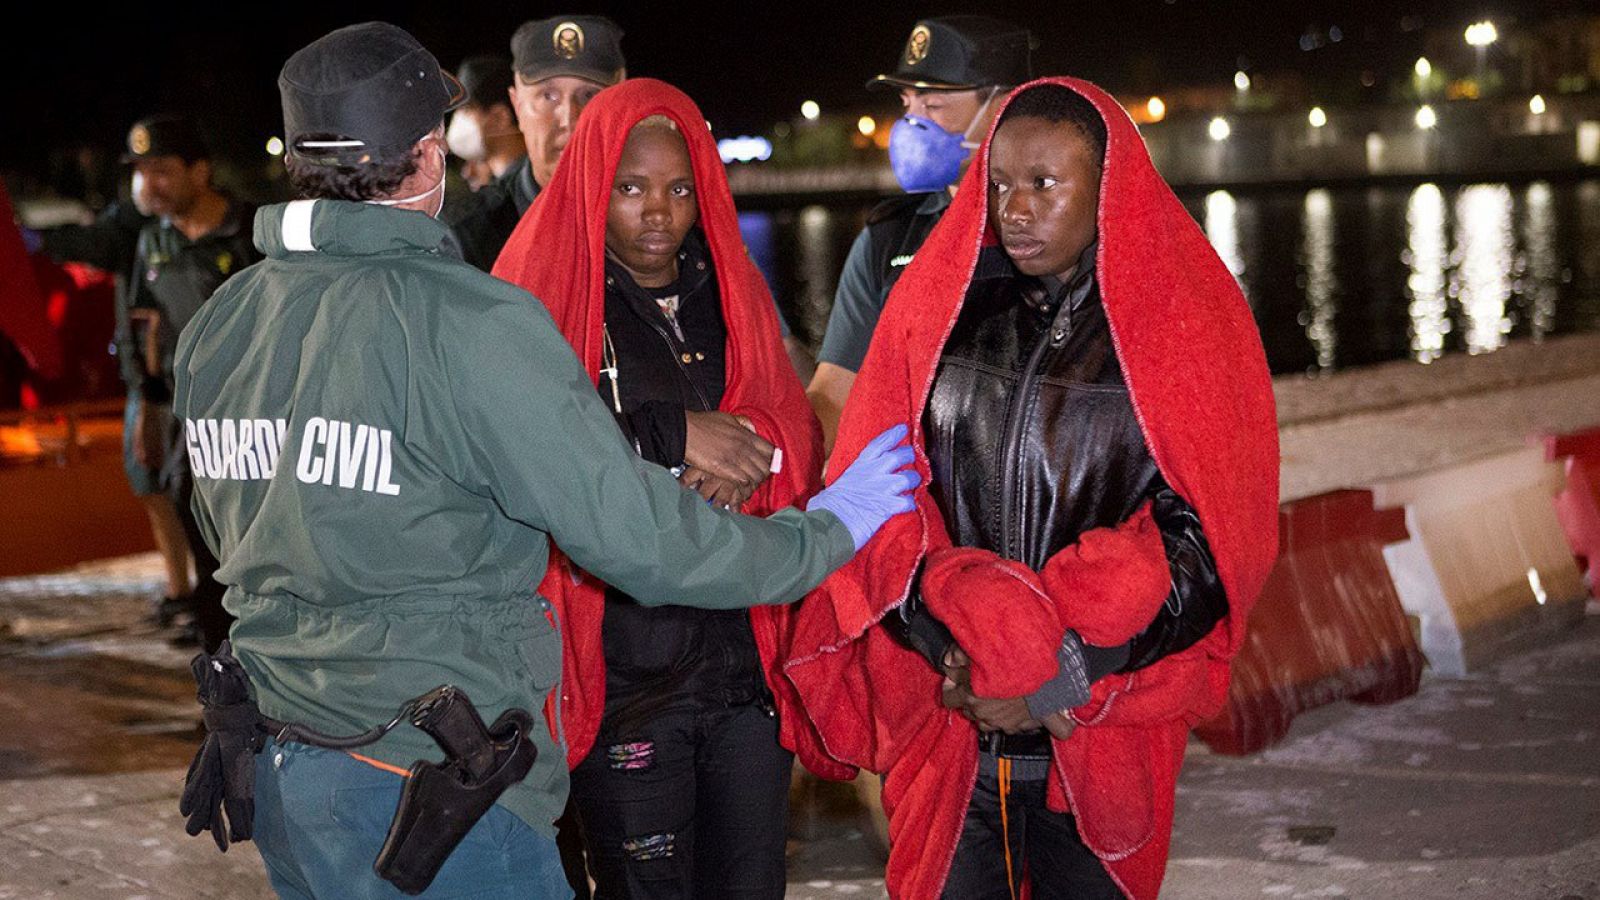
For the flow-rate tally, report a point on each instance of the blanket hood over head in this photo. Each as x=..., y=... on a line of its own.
x=1200, y=389
x=557, y=253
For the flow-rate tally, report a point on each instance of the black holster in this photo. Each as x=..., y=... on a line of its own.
x=441, y=802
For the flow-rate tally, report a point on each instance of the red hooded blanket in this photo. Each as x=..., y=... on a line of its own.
x=558, y=254
x=1199, y=385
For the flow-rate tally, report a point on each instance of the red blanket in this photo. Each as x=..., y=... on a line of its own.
x=558, y=254
x=1198, y=379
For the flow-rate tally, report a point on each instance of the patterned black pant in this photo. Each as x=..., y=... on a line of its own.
x=692, y=806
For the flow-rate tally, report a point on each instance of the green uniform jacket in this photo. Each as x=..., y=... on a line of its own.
x=385, y=440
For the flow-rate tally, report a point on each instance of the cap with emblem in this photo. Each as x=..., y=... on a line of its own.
x=165, y=136
x=363, y=90
x=958, y=53
x=486, y=79
x=588, y=47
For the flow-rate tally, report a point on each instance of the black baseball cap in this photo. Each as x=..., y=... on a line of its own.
x=588, y=47
x=363, y=90
x=165, y=136
x=486, y=79
x=959, y=53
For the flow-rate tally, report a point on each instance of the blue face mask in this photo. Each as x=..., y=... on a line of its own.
x=924, y=156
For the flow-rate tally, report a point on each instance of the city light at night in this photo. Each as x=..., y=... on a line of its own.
x=1426, y=118
x=744, y=149
x=810, y=110
x=1317, y=117
x=866, y=126
x=1536, y=105
x=1423, y=68
x=1482, y=34
x=1241, y=81
x=1219, y=129
x=1156, y=108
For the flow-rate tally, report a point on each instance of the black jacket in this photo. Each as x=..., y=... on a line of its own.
x=664, y=656
x=484, y=220
x=1033, y=441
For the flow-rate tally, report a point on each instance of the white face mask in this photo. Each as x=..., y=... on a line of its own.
x=438, y=188
x=138, y=193
x=465, y=138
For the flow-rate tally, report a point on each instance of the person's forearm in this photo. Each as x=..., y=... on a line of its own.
x=86, y=244
x=916, y=629
x=656, y=430
x=1079, y=666
x=698, y=556
x=1197, y=601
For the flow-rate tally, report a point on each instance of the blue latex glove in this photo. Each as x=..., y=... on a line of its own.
x=875, y=488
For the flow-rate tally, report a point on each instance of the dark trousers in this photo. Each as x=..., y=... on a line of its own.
x=1043, y=844
x=569, y=840
x=205, y=603
x=693, y=805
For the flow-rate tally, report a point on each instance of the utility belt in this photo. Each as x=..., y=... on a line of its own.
x=439, y=803
x=1025, y=745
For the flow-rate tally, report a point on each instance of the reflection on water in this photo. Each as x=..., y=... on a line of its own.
x=1222, y=229
x=1427, y=253
x=1483, y=255
x=760, y=238
x=1585, y=288
x=1319, y=281
x=819, y=267
x=1335, y=277
x=1540, y=269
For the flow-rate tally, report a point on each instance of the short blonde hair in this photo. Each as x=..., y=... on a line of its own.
x=658, y=120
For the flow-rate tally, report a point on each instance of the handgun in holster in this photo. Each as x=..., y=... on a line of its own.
x=440, y=802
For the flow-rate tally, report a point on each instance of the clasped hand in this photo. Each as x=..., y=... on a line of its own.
x=725, y=460
x=1008, y=714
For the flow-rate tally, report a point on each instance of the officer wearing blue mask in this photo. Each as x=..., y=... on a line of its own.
x=951, y=76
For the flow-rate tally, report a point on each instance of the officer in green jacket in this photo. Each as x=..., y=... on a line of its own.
x=384, y=441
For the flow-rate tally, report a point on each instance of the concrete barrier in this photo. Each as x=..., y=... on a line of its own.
x=1328, y=625
x=1486, y=568
x=1578, y=504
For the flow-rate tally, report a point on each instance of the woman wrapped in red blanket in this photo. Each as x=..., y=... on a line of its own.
x=678, y=732
x=1093, y=416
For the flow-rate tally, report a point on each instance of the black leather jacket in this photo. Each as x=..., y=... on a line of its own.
x=1033, y=441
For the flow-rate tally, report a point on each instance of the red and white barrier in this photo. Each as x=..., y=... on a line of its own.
x=1328, y=625
x=1486, y=568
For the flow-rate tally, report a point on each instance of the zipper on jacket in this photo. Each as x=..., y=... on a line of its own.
x=1054, y=336
x=674, y=350
x=1011, y=449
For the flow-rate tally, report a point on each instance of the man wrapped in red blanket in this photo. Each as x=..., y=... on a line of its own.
x=1093, y=417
